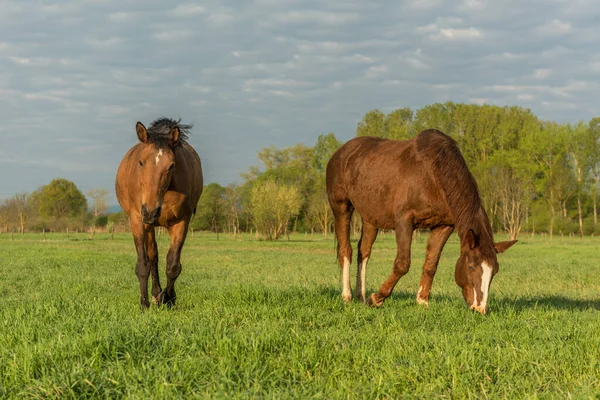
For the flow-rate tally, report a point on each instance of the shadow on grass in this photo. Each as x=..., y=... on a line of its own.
x=521, y=303
x=551, y=301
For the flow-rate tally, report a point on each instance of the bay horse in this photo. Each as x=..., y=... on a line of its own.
x=406, y=185
x=159, y=183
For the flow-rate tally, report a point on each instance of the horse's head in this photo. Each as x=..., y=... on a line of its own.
x=476, y=268
x=156, y=164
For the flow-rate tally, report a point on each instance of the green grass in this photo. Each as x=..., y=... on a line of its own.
x=260, y=319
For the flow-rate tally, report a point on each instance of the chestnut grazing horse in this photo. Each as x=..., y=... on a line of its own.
x=159, y=183
x=405, y=185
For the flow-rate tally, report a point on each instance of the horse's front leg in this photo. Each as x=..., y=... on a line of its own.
x=142, y=268
x=404, y=230
x=178, y=233
x=152, y=258
x=435, y=244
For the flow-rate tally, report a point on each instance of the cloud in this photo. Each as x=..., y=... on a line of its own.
x=31, y=62
x=122, y=16
x=108, y=42
x=188, y=10
x=457, y=34
x=542, y=73
x=554, y=28
x=174, y=35
x=315, y=16
x=271, y=72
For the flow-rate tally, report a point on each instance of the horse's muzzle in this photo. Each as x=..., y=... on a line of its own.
x=150, y=217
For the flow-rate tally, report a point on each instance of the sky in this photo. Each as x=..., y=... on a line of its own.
x=76, y=75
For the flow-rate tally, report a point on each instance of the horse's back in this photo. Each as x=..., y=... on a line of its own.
x=368, y=158
x=383, y=179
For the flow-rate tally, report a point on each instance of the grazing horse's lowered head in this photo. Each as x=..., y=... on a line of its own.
x=476, y=267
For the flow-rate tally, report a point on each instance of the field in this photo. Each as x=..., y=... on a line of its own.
x=265, y=319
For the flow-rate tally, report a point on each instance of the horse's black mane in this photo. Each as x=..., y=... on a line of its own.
x=159, y=129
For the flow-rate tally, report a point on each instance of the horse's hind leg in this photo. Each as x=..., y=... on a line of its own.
x=343, y=213
x=178, y=233
x=368, y=235
x=404, y=231
x=435, y=244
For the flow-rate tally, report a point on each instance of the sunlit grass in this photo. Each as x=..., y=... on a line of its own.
x=261, y=319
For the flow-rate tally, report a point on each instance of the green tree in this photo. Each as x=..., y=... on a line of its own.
x=395, y=125
x=324, y=148
x=398, y=124
x=372, y=124
x=211, y=209
x=593, y=146
x=60, y=199
x=272, y=206
x=580, y=157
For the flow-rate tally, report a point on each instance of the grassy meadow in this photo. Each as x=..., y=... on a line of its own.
x=266, y=320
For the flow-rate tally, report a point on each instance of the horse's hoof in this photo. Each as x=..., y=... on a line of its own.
x=374, y=301
x=166, y=299
x=347, y=297
x=156, y=300
x=423, y=302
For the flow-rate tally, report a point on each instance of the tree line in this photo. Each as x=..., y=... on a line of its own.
x=533, y=175
x=56, y=206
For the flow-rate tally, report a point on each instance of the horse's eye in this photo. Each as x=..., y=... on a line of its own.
x=141, y=163
x=472, y=268
x=171, y=166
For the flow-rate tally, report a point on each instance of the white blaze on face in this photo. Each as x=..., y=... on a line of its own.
x=157, y=159
x=486, y=279
x=346, y=292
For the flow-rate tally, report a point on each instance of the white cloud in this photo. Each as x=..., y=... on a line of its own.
x=174, y=35
x=554, y=28
x=199, y=89
x=116, y=109
x=376, y=71
x=121, y=16
x=32, y=62
x=542, y=73
x=525, y=97
x=221, y=17
x=280, y=93
x=457, y=34
x=312, y=16
x=110, y=42
x=478, y=100
x=188, y=10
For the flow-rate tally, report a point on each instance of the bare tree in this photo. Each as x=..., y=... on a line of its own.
x=99, y=204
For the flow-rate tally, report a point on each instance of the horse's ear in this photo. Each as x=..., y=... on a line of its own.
x=141, y=132
x=503, y=246
x=174, y=136
x=472, y=239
